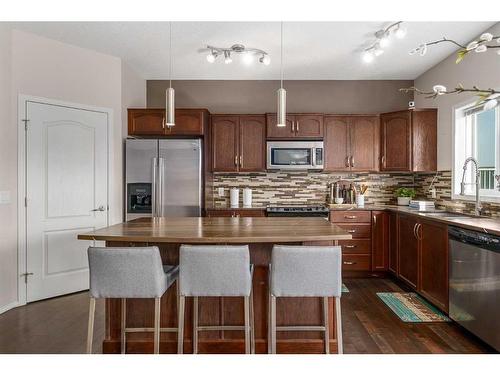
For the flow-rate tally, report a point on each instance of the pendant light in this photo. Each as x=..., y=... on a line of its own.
x=170, y=94
x=281, y=115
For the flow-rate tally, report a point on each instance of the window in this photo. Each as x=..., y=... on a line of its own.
x=477, y=135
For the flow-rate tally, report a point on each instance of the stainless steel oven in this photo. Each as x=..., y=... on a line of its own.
x=295, y=155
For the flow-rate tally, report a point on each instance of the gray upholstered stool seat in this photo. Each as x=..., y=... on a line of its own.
x=305, y=271
x=215, y=271
x=129, y=272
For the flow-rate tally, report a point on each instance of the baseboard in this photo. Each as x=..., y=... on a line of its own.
x=9, y=306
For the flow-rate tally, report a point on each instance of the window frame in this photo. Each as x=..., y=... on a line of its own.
x=459, y=154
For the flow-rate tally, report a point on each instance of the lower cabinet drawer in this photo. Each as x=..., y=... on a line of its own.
x=356, y=246
x=357, y=230
x=356, y=262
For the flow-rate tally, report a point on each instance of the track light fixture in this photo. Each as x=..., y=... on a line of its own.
x=248, y=54
x=383, y=40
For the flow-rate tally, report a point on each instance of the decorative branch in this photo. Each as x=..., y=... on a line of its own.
x=489, y=97
x=479, y=46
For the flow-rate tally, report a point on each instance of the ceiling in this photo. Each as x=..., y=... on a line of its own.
x=312, y=50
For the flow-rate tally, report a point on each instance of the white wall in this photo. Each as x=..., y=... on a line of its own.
x=8, y=178
x=33, y=65
x=480, y=69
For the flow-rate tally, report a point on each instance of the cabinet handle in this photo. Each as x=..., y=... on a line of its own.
x=349, y=263
x=352, y=161
x=293, y=126
x=350, y=217
x=163, y=122
x=419, y=227
x=350, y=246
x=383, y=160
x=297, y=127
x=236, y=160
x=351, y=231
x=415, y=230
x=241, y=160
x=347, y=161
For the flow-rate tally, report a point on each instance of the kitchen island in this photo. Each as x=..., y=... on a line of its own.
x=260, y=234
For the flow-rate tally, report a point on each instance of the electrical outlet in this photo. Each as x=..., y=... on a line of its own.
x=220, y=191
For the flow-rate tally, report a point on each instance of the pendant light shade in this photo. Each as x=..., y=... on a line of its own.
x=281, y=113
x=170, y=93
x=281, y=107
x=170, y=107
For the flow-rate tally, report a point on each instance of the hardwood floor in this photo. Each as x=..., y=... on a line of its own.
x=59, y=325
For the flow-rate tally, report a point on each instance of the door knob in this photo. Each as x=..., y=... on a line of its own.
x=100, y=208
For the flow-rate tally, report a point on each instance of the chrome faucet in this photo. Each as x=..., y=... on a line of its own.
x=478, y=208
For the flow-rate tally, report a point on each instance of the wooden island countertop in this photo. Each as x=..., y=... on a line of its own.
x=220, y=230
x=260, y=234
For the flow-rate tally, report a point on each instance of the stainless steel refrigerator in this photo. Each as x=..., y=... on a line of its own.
x=163, y=178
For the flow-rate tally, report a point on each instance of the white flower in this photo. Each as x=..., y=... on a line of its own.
x=422, y=49
x=481, y=48
x=487, y=37
x=472, y=45
x=439, y=89
x=490, y=104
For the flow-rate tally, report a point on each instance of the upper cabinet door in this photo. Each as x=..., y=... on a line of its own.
x=364, y=135
x=189, y=122
x=252, y=148
x=282, y=132
x=396, y=141
x=146, y=121
x=336, y=143
x=424, y=132
x=308, y=126
x=225, y=143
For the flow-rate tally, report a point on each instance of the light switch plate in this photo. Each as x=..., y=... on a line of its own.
x=220, y=191
x=4, y=197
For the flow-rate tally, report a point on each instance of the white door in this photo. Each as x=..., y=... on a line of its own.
x=66, y=189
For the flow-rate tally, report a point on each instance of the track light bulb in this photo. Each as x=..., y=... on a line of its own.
x=400, y=33
x=384, y=41
x=211, y=57
x=368, y=57
x=227, y=57
x=265, y=59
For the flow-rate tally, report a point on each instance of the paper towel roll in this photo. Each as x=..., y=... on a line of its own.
x=235, y=197
x=247, y=197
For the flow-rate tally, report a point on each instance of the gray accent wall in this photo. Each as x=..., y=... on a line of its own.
x=342, y=97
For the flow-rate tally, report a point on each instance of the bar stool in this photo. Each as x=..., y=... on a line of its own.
x=215, y=271
x=129, y=272
x=305, y=271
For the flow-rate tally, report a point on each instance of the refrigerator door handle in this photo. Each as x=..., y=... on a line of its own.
x=154, y=188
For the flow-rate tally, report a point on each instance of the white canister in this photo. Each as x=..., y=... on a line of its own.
x=360, y=200
x=247, y=197
x=235, y=197
x=403, y=201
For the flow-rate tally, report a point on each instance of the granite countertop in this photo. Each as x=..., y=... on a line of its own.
x=478, y=223
x=225, y=208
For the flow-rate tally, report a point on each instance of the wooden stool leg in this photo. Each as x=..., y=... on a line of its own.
x=195, y=325
x=180, y=329
x=327, y=325
x=90, y=328
x=124, y=326
x=247, y=324
x=273, y=324
x=157, y=326
x=338, y=325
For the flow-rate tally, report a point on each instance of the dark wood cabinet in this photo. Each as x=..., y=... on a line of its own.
x=250, y=212
x=252, y=147
x=238, y=143
x=297, y=126
x=393, y=243
x=151, y=122
x=351, y=143
x=380, y=233
x=225, y=143
x=408, y=140
x=433, y=238
x=408, y=250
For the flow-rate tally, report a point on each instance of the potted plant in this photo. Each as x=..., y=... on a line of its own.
x=404, y=196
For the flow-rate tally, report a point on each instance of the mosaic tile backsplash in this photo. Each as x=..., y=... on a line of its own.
x=307, y=188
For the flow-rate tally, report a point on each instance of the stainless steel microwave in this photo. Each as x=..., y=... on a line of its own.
x=295, y=155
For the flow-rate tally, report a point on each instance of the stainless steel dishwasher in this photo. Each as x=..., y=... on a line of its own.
x=475, y=283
